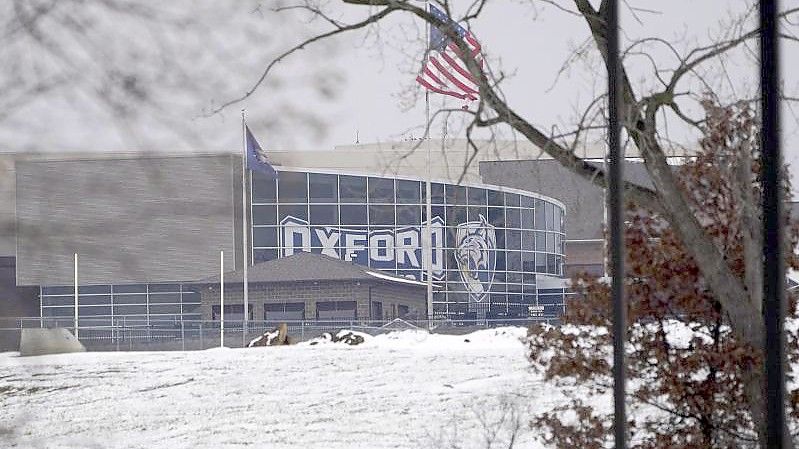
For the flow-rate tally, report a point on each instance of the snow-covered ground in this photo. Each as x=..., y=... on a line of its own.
x=404, y=389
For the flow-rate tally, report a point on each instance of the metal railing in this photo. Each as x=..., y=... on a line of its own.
x=175, y=334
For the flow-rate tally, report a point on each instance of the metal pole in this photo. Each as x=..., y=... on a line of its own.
x=427, y=247
x=615, y=216
x=221, y=299
x=245, y=230
x=773, y=260
x=76, y=295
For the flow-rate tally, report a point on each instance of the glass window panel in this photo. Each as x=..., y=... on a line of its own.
x=58, y=301
x=550, y=242
x=513, y=239
x=163, y=309
x=58, y=290
x=381, y=215
x=130, y=298
x=408, y=192
x=514, y=262
x=164, y=298
x=264, y=215
x=94, y=310
x=528, y=240
x=292, y=187
x=90, y=289
x=264, y=237
x=557, y=243
x=296, y=210
x=477, y=196
x=513, y=218
x=500, y=238
x=456, y=215
x=456, y=195
x=540, y=262
x=191, y=297
x=160, y=288
x=352, y=189
x=550, y=216
x=324, y=215
x=500, y=264
x=526, y=201
x=551, y=264
x=263, y=189
x=381, y=190
x=408, y=215
x=437, y=211
x=528, y=219
x=511, y=199
x=476, y=212
x=58, y=311
x=89, y=300
x=130, y=288
x=541, y=241
x=496, y=198
x=540, y=215
x=138, y=309
x=263, y=255
x=323, y=188
x=353, y=215
x=496, y=216
x=528, y=262
x=437, y=193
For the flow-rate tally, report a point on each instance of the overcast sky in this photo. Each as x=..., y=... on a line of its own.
x=356, y=86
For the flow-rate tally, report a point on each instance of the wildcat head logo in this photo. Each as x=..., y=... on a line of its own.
x=476, y=257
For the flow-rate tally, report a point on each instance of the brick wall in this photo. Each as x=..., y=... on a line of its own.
x=310, y=293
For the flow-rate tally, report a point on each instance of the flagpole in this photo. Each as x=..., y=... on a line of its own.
x=428, y=252
x=244, y=233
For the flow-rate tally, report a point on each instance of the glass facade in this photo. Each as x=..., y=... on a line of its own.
x=489, y=244
x=122, y=305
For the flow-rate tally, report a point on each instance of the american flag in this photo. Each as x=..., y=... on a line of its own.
x=444, y=71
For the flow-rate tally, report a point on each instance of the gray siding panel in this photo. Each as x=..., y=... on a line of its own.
x=148, y=219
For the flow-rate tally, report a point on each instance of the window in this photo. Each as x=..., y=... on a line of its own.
x=353, y=215
x=403, y=310
x=264, y=215
x=381, y=190
x=264, y=236
x=456, y=195
x=381, y=215
x=477, y=197
x=263, y=189
x=376, y=310
x=352, y=189
x=408, y=215
x=284, y=311
x=408, y=192
x=296, y=211
x=324, y=215
x=327, y=310
x=323, y=188
x=292, y=187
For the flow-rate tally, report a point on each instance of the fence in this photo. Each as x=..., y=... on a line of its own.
x=160, y=335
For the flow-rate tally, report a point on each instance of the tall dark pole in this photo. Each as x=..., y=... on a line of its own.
x=615, y=218
x=773, y=261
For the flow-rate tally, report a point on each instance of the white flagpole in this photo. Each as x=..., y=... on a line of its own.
x=245, y=230
x=221, y=299
x=76, y=296
x=428, y=247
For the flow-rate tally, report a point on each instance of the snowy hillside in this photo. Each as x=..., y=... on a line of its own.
x=406, y=389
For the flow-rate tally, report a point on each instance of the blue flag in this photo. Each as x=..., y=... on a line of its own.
x=256, y=160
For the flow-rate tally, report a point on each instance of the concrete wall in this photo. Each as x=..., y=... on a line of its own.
x=137, y=219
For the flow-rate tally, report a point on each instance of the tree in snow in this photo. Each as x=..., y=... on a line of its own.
x=687, y=368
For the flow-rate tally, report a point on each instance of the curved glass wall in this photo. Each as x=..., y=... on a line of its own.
x=489, y=244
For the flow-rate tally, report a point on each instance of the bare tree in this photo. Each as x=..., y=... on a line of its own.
x=739, y=297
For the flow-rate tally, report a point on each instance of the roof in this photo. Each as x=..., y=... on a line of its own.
x=303, y=266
